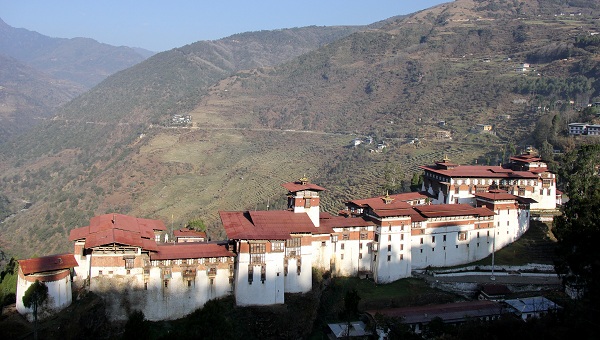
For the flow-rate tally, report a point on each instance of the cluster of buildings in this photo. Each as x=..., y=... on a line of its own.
x=463, y=214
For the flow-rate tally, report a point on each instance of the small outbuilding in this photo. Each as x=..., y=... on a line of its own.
x=55, y=272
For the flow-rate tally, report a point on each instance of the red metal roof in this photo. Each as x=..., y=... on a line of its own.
x=344, y=222
x=191, y=250
x=499, y=196
x=47, y=263
x=447, y=210
x=408, y=211
x=299, y=186
x=265, y=225
x=121, y=229
x=397, y=201
x=480, y=171
x=188, y=233
x=451, y=312
x=526, y=158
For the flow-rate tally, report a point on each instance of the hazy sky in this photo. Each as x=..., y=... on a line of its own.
x=162, y=25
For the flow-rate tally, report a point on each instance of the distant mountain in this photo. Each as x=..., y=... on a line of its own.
x=80, y=60
x=268, y=107
x=28, y=96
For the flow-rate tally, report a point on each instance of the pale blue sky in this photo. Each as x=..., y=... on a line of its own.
x=162, y=25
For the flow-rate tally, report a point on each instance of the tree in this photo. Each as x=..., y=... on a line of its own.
x=34, y=298
x=578, y=228
x=197, y=225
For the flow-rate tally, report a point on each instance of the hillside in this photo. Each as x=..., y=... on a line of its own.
x=447, y=68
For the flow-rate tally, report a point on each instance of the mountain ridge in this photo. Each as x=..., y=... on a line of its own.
x=447, y=68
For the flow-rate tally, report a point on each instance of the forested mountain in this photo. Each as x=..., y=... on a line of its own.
x=257, y=123
x=39, y=73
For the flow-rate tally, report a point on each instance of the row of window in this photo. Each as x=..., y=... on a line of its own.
x=263, y=271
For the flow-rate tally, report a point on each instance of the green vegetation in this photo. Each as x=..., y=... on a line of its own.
x=34, y=298
x=8, y=283
x=578, y=227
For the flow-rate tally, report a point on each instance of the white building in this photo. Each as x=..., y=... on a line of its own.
x=271, y=253
x=526, y=176
x=577, y=129
x=119, y=258
x=54, y=271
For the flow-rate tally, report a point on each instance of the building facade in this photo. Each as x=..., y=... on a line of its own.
x=121, y=258
x=525, y=176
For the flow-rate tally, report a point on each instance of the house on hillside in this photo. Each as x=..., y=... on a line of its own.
x=55, y=272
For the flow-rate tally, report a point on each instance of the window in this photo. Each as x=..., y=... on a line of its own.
x=432, y=249
x=128, y=271
x=129, y=262
x=341, y=246
x=363, y=235
x=299, y=268
x=323, y=244
x=211, y=271
x=294, y=242
x=360, y=246
x=211, y=281
x=374, y=257
x=250, y=273
x=277, y=247
x=462, y=235
x=345, y=236
x=421, y=250
x=307, y=203
x=389, y=258
x=477, y=234
x=401, y=247
x=389, y=247
x=401, y=256
x=401, y=237
x=189, y=282
x=421, y=241
x=99, y=272
x=341, y=256
x=359, y=256
x=444, y=238
x=432, y=239
x=390, y=238
x=456, y=189
x=263, y=273
x=257, y=253
x=166, y=283
x=145, y=285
